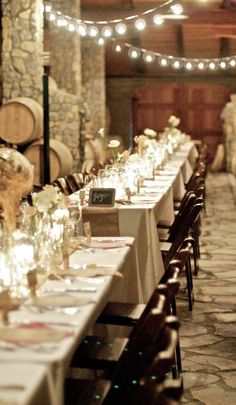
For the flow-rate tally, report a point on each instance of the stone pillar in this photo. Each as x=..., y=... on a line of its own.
x=65, y=50
x=22, y=47
x=93, y=81
x=229, y=125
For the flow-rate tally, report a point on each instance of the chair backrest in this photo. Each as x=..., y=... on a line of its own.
x=71, y=183
x=182, y=232
x=132, y=375
x=79, y=179
x=103, y=221
x=62, y=185
x=185, y=208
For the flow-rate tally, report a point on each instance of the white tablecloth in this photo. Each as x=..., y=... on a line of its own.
x=57, y=355
x=26, y=384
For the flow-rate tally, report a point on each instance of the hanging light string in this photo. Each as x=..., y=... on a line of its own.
x=106, y=28
x=174, y=62
x=89, y=28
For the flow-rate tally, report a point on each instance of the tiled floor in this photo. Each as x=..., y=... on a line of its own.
x=208, y=334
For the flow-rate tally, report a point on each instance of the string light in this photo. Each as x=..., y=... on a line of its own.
x=158, y=19
x=140, y=24
x=116, y=26
x=177, y=9
x=101, y=31
x=177, y=63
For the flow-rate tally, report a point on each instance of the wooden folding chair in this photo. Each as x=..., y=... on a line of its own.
x=154, y=339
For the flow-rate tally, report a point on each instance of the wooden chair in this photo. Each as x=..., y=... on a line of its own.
x=62, y=185
x=125, y=314
x=153, y=341
x=170, y=249
x=103, y=353
x=73, y=183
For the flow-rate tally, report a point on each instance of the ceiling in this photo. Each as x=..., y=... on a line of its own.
x=208, y=32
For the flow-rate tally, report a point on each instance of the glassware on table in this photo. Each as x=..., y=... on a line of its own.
x=73, y=223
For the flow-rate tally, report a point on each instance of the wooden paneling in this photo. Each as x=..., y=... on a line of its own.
x=197, y=105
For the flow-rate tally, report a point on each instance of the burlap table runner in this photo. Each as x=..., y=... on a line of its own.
x=104, y=221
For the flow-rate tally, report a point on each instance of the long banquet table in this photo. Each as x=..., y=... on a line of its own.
x=70, y=306
x=126, y=267
x=154, y=204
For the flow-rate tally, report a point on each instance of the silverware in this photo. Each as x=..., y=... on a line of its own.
x=12, y=387
x=64, y=289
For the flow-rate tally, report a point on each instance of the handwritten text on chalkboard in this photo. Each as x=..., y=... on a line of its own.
x=102, y=197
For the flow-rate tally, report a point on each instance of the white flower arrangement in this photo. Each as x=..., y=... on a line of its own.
x=150, y=133
x=142, y=143
x=101, y=132
x=49, y=199
x=173, y=121
x=114, y=145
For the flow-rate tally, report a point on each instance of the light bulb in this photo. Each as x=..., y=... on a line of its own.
x=121, y=29
x=107, y=31
x=82, y=29
x=71, y=27
x=52, y=17
x=100, y=41
x=158, y=19
x=140, y=24
x=232, y=63
x=48, y=7
x=189, y=66
x=223, y=65
x=92, y=31
x=201, y=65
x=177, y=63
x=134, y=53
x=61, y=22
x=212, y=65
x=149, y=57
x=118, y=47
x=163, y=61
x=177, y=9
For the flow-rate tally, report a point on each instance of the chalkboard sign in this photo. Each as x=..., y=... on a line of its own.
x=102, y=197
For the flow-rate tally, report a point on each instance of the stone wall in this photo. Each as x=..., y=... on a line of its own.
x=22, y=46
x=229, y=124
x=93, y=82
x=75, y=84
x=65, y=50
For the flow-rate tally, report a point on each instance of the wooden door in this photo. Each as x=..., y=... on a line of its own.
x=198, y=105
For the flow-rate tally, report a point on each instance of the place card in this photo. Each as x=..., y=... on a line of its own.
x=82, y=196
x=87, y=232
x=32, y=281
x=128, y=193
x=102, y=197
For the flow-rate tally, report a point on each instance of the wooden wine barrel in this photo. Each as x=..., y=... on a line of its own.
x=61, y=160
x=21, y=121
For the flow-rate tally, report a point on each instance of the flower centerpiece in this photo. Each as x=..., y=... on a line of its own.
x=150, y=133
x=114, y=145
x=16, y=181
x=141, y=142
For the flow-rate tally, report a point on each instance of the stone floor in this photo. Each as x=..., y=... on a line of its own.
x=208, y=334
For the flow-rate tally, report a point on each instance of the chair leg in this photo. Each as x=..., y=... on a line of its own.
x=189, y=284
x=178, y=350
